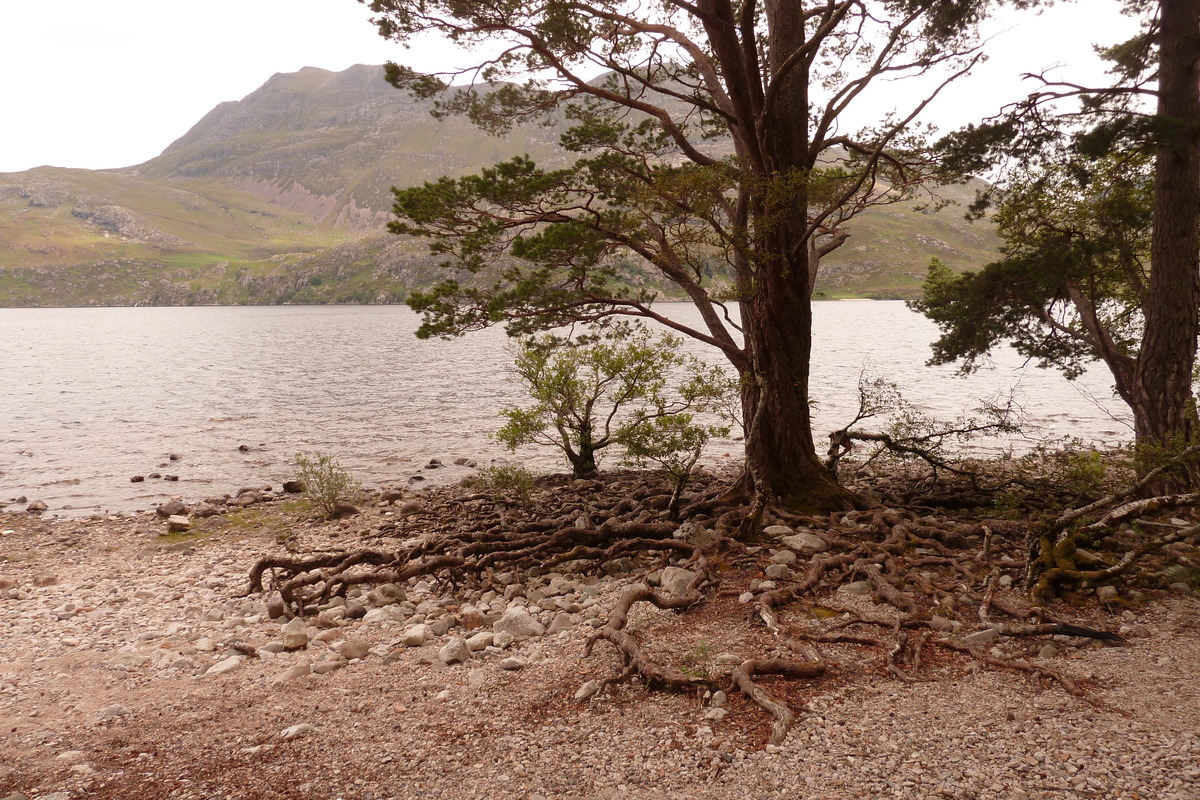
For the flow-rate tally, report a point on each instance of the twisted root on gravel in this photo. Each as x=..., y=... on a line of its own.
x=917, y=579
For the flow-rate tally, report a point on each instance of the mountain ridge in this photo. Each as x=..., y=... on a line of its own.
x=284, y=195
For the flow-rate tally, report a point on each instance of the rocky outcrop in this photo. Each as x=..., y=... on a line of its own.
x=121, y=221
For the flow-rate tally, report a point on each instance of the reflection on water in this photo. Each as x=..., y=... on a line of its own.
x=94, y=396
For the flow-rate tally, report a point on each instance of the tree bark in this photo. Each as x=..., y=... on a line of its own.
x=781, y=460
x=1165, y=411
x=780, y=456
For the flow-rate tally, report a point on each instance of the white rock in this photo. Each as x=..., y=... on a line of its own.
x=292, y=672
x=805, y=542
x=302, y=729
x=112, y=712
x=224, y=667
x=587, y=691
x=517, y=622
x=455, y=651
x=415, y=636
x=675, y=580
x=481, y=640
x=177, y=523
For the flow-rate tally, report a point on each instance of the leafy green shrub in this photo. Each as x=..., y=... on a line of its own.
x=589, y=391
x=326, y=482
x=505, y=482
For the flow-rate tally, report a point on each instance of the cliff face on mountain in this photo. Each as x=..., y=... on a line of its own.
x=284, y=196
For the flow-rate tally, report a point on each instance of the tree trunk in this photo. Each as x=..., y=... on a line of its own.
x=1164, y=413
x=780, y=457
x=781, y=462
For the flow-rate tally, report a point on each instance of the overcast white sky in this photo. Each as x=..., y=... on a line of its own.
x=111, y=83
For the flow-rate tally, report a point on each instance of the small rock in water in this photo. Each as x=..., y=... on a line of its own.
x=37, y=507
x=138, y=479
x=293, y=487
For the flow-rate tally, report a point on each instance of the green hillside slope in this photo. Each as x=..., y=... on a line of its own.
x=283, y=196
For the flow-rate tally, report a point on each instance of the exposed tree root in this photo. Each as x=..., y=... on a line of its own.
x=890, y=583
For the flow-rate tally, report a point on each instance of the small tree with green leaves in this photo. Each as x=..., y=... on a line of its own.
x=327, y=484
x=675, y=442
x=590, y=391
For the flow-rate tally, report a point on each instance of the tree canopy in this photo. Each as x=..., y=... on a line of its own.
x=716, y=132
x=1102, y=226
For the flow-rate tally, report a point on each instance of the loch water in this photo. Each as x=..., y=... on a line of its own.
x=92, y=397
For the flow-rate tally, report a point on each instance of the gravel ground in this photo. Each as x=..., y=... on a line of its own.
x=130, y=667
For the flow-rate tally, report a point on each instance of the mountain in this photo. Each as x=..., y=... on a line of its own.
x=284, y=195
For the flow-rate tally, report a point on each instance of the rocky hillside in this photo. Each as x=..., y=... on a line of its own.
x=283, y=197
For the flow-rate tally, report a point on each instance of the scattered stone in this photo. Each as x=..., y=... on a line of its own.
x=171, y=508
x=778, y=572
x=415, y=636
x=37, y=507
x=1048, y=651
x=784, y=557
x=675, y=580
x=177, y=523
x=513, y=663
x=778, y=530
x=715, y=714
x=858, y=587
x=355, y=610
x=1106, y=594
x=984, y=636
x=517, y=622
x=354, y=647
x=292, y=672
x=1180, y=588
x=455, y=651
x=296, y=731
x=805, y=542
x=224, y=667
x=587, y=691
x=113, y=712
x=138, y=479
x=293, y=487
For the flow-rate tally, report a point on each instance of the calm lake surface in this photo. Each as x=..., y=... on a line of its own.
x=92, y=397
